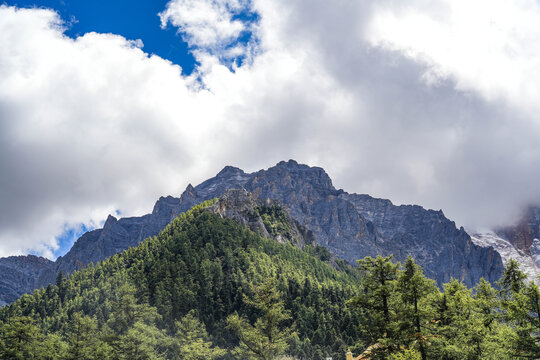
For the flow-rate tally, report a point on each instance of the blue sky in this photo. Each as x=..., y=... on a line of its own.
x=131, y=19
x=65, y=240
x=432, y=105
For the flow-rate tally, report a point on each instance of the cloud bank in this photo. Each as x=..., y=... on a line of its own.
x=421, y=102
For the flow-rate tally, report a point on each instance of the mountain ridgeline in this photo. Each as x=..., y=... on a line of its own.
x=237, y=278
x=350, y=226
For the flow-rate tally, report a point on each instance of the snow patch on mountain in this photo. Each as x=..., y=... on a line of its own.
x=530, y=264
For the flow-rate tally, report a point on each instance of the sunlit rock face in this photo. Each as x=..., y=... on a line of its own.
x=351, y=226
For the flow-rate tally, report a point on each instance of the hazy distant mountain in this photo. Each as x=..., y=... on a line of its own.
x=351, y=226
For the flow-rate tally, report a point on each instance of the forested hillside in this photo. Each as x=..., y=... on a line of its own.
x=200, y=264
x=209, y=288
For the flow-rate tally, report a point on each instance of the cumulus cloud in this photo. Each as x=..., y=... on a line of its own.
x=208, y=24
x=80, y=123
x=93, y=125
x=489, y=47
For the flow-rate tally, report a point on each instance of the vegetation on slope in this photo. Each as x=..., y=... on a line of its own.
x=200, y=264
x=208, y=288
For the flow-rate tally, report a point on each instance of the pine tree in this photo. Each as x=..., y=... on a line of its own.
x=512, y=281
x=521, y=304
x=84, y=341
x=142, y=342
x=269, y=336
x=376, y=300
x=486, y=302
x=192, y=340
x=126, y=312
x=19, y=339
x=414, y=288
x=52, y=348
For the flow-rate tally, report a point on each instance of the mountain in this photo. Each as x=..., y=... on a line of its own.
x=205, y=262
x=238, y=278
x=351, y=226
x=520, y=241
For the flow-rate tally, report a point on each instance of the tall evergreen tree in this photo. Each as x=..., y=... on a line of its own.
x=268, y=337
x=19, y=339
x=192, y=341
x=53, y=348
x=376, y=299
x=414, y=288
x=520, y=302
x=84, y=340
x=142, y=342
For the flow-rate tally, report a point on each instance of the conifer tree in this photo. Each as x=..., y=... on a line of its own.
x=84, y=340
x=52, y=348
x=512, y=281
x=521, y=304
x=19, y=339
x=142, y=342
x=414, y=288
x=192, y=340
x=126, y=311
x=486, y=302
x=376, y=299
x=268, y=337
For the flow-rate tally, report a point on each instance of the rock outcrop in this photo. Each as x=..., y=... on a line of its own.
x=239, y=205
x=351, y=226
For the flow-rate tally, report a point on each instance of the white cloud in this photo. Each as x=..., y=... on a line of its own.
x=93, y=124
x=489, y=47
x=206, y=24
x=80, y=120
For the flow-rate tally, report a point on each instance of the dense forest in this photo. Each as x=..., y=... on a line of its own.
x=209, y=288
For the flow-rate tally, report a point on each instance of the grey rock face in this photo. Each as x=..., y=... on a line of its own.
x=351, y=226
x=444, y=251
x=308, y=194
x=21, y=274
x=528, y=263
x=239, y=205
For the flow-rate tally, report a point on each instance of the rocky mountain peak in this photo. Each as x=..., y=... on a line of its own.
x=292, y=176
x=351, y=226
x=290, y=164
x=111, y=220
x=228, y=171
x=164, y=205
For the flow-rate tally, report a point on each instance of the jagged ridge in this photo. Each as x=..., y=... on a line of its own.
x=351, y=226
